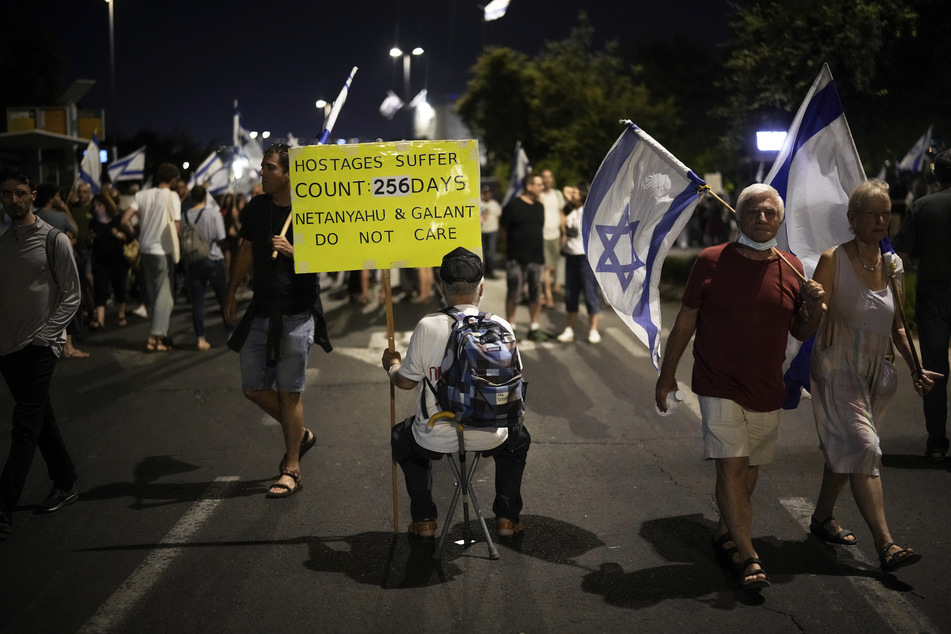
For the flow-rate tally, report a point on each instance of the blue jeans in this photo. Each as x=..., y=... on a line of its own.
x=579, y=277
x=933, y=312
x=417, y=465
x=28, y=373
x=198, y=277
x=490, y=243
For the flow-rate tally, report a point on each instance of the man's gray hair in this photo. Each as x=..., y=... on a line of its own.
x=755, y=191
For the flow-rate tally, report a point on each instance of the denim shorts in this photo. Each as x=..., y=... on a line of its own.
x=287, y=375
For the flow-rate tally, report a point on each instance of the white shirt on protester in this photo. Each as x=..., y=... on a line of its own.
x=423, y=360
x=554, y=202
x=152, y=205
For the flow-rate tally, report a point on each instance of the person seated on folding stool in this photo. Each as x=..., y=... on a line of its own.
x=416, y=444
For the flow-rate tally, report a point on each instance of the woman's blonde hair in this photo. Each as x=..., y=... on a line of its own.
x=866, y=192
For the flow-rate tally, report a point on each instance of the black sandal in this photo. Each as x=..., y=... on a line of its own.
x=305, y=446
x=817, y=528
x=900, y=559
x=752, y=584
x=284, y=490
x=724, y=555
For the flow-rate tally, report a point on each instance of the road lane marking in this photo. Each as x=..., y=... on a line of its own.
x=894, y=609
x=111, y=614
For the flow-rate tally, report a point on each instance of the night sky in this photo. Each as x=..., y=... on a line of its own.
x=181, y=64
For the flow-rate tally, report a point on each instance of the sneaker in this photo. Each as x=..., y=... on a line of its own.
x=537, y=335
x=142, y=312
x=594, y=336
x=567, y=335
x=57, y=499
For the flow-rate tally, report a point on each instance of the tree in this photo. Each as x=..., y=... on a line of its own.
x=778, y=47
x=496, y=102
x=564, y=104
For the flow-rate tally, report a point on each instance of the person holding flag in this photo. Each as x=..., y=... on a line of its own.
x=853, y=380
x=741, y=300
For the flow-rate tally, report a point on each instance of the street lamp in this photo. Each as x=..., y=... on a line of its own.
x=324, y=108
x=112, y=74
x=396, y=52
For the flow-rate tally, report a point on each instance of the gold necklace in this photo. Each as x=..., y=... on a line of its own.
x=863, y=263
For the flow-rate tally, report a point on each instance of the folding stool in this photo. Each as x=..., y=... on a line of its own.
x=464, y=489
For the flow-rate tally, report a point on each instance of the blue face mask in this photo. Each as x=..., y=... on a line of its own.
x=759, y=246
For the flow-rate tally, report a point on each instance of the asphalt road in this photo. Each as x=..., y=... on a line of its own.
x=172, y=532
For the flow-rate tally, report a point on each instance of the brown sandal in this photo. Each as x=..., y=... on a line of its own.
x=424, y=531
x=283, y=490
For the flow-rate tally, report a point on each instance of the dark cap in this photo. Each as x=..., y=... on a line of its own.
x=460, y=265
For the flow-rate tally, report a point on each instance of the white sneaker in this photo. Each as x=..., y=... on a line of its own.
x=142, y=312
x=567, y=336
x=594, y=336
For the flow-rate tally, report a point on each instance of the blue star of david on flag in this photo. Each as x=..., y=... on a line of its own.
x=611, y=236
x=639, y=202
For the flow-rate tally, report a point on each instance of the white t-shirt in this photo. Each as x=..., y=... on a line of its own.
x=490, y=212
x=575, y=244
x=423, y=360
x=152, y=205
x=554, y=202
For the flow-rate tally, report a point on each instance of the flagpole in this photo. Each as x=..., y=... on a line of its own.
x=331, y=120
x=706, y=188
x=391, y=344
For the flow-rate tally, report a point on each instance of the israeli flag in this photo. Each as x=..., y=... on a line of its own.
x=128, y=168
x=817, y=169
x=520, y=169
x=815, y=172
x=90, y=170
x=495, y=10
x=243, y=144
x=209, y=169
x=391, y=105
x=640, y=200
x=336, y=108
x=914, y=160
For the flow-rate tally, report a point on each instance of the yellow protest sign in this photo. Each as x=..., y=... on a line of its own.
x=383, y=205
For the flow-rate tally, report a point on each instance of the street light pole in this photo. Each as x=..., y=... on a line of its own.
x=407, y=96
x=112, y=75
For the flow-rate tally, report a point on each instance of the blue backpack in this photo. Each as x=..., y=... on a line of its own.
x=481, y=376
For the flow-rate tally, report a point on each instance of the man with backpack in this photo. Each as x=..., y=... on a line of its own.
x=493, y=426
x=39, y=294
x=202, y=229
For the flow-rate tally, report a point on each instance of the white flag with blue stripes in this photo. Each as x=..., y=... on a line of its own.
x=915, y=159
x=128, y=168
x=639, y=202
x=90, y=170
x=521, y=166
x=209, y=168
x=815, y=172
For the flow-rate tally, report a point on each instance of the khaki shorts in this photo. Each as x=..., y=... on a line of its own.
x=729, y=431
x=552, y=252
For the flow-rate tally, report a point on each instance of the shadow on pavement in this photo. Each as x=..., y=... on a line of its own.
x=147, y=493
x=905, y=461
x=409, y=563
x=694, y=573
